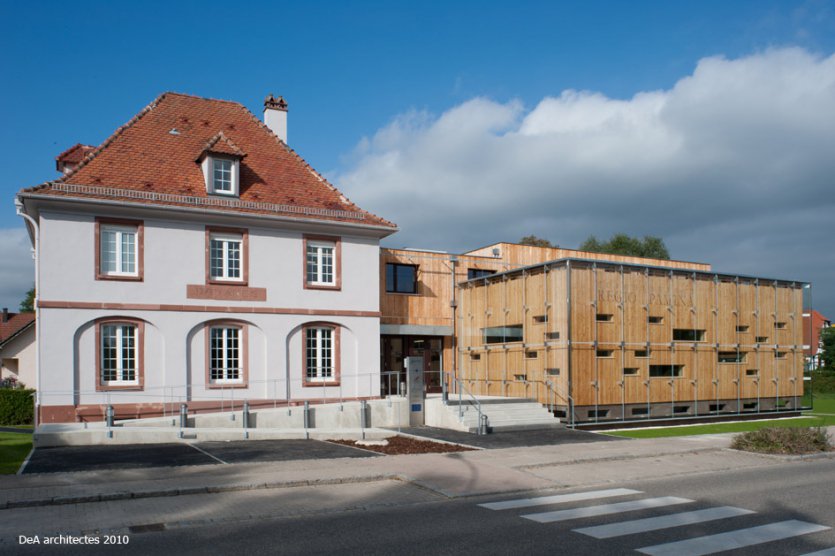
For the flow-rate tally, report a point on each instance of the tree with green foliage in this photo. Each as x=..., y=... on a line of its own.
x=622, y=244
x=535, y=241
x=827, y=339
x=28, y=303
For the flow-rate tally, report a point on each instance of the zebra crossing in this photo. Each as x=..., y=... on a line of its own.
x=695, y=546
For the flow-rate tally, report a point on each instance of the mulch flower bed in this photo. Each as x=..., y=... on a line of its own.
x=404, y=445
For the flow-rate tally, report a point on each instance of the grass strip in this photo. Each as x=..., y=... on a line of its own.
x=14, y=447
x=718, y=428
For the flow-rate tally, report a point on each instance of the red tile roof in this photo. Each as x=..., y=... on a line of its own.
x=152, y=160
x=220, y=144
x=16, y=323
x=73, y=155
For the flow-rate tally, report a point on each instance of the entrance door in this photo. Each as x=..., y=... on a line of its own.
x=395, y=348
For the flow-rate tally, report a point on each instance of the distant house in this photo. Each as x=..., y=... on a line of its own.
x=17, y=348
x=813, y=323
x=194, y=257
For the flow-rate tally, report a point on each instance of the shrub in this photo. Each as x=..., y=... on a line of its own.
x=823, y=382
x=789, y=440
x=17, y=407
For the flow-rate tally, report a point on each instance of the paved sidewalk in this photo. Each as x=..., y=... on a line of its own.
x=452, y=475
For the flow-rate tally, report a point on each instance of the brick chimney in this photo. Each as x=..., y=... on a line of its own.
x=275, y=115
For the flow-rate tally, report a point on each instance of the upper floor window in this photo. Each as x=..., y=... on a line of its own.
x=322, y=260
x=401, y=278
x=226, y=253
x=222, y=176
x=119, y=249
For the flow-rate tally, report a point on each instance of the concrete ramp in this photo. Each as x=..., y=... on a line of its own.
x=503, y=414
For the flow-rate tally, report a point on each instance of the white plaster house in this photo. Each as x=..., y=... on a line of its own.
x=194, y=257
x=17, y=348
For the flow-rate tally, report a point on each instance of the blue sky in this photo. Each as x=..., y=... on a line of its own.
x=370, y=82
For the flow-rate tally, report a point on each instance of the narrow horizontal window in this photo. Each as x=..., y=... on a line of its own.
x=681, y=409
x=655, y=320
x=640, y=411
x=665, y=370
x=749, y=406
x=762, y=339
x=552, y=335
x=598, y=413
x=540, y=319
x=752, y=372
x=531, y=354
x=779, y=325
x=552, y=372
x=605, y=353
x=731, y=356
x=642, y=353
x=688, y=335
x=601, y=317
x=742, y=328
x=716, y=407
x=779, y=355
x=502, y=334
x=520, y=377
x=475, y=356
x=629, y=371
x=473, y=273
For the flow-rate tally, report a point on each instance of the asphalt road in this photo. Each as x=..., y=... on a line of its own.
x=781, y=500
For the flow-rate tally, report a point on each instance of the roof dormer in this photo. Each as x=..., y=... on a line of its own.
x=220, y=161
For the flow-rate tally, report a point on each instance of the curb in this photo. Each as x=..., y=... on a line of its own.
x=124, y=495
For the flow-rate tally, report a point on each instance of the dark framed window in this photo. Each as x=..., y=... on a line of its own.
x=665, y=370
x=502, y=334
x=688, y=335
x=731, y=356
x=478, y=273
x=401, y=278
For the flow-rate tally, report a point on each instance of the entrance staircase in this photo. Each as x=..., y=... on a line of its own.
x=503, y=414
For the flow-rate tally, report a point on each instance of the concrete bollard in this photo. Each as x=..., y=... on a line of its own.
x=482, y=425
x=245, y=417
x=108, y=418
x=306, y=414
x=183, y=416
x=364, y=414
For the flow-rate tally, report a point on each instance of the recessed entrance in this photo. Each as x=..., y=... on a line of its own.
x=393, y=349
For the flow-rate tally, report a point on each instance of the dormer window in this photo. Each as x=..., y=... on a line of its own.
x=220, y=161
x=222, y=176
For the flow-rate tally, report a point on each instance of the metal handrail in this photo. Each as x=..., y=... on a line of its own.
x=548, y=384
x=461, y=391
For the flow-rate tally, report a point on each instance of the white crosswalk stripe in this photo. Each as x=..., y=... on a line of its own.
x=824, y=552
x=606, y=509
x=661, y=522
x=559, y=499
x=734, y=539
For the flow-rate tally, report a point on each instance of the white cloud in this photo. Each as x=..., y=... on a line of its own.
x=733, y=165
x=17, y=271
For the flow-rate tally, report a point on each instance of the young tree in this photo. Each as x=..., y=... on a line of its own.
x=28, y=303
x=535, y=241
x=622, y=244
x=827, y=339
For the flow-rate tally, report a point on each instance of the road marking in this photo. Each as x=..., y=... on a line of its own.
x=559, y=499
x=201, y=450
x=734, y=539
x=661, y=522
x=606, y=509
x=824, y=552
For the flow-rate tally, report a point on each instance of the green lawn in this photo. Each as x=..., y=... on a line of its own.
x=824, y=403
x=14, y=447
x=716, y=428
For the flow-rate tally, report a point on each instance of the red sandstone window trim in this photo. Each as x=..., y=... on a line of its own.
x=244, y=233
x=140, y=249
x=243, y=348
x=335, y=355
x=337, y=262
x=101, y=386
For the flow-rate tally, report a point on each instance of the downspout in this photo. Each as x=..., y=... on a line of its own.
x=571, y=415
x=454, y=304
x=19, y=208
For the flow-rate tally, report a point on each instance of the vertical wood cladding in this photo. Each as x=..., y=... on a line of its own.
x=684, y=342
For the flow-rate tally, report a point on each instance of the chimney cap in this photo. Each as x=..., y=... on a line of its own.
x=271, y=102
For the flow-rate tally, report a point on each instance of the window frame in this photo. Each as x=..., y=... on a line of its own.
x=209, y=172
x=475, y=273
x=394, y=291
x=243, y=280
x=334, y=379
x=138, y=383
x=321, y=240
x=243, y=355
x=101, y=224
